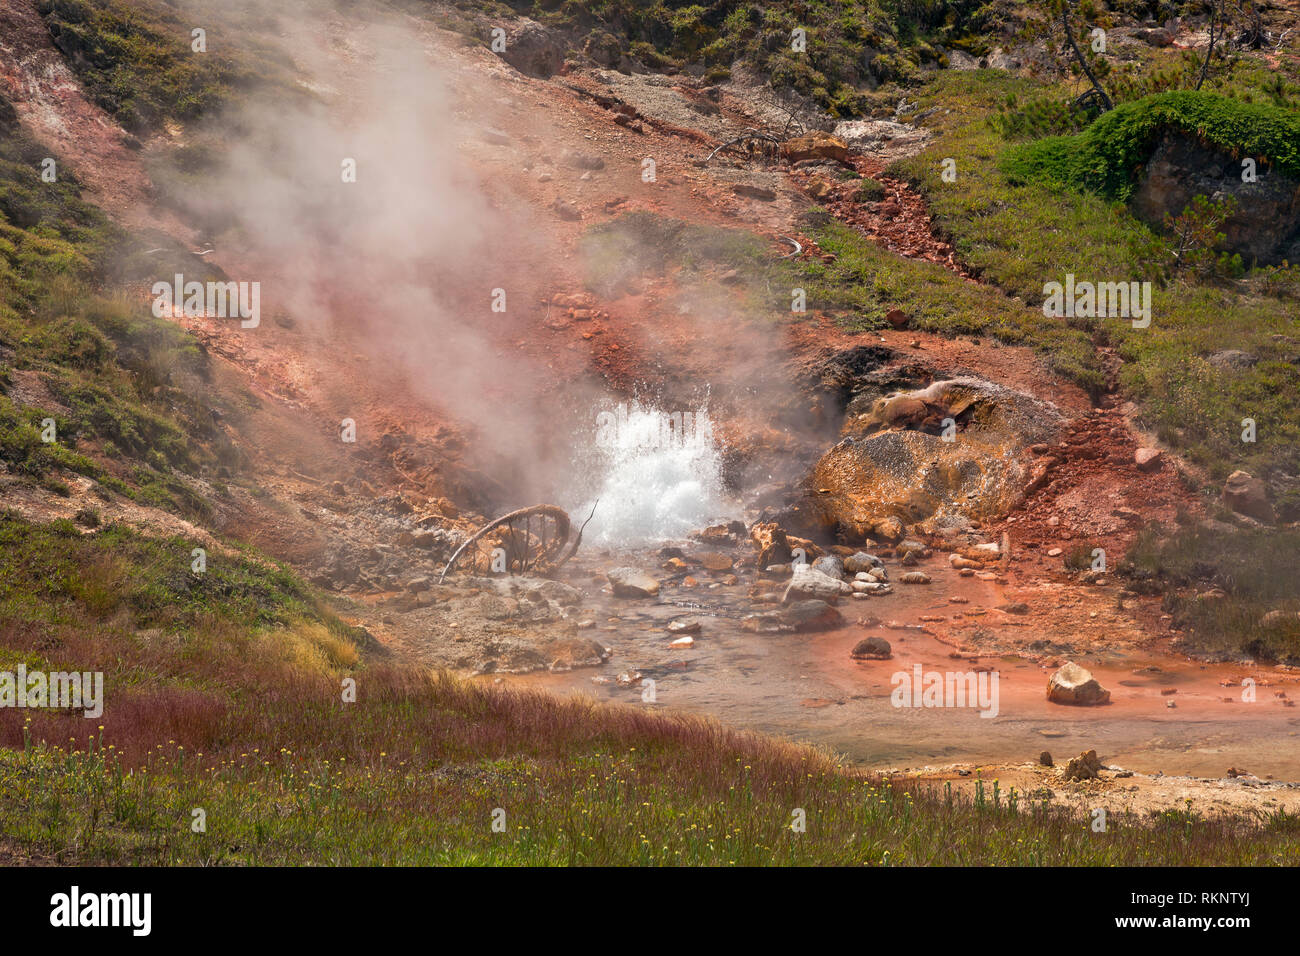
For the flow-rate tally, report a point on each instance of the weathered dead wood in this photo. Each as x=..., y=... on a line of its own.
x=770, y=144
x=549, y=556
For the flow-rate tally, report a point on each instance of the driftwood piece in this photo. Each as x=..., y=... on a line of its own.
x=549, y=556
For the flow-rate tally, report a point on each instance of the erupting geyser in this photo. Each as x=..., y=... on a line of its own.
x=658, y=476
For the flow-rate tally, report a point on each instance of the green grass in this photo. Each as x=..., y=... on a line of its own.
x=137, y=62
x=1254, y=568
x=46, y=571
x=1106, y=156
x=1019, y=233
x=863, y=283
x=604, y=787
x=852, y=45
x=223, y=692
x=115, y=376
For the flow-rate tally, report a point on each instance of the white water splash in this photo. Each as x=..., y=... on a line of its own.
x=658, y=476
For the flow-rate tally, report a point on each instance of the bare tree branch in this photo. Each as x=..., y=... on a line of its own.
x=1101, y=93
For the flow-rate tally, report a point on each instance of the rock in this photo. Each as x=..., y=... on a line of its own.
x=716, y=561
x=871, y=649
x=765, y=622
x=815, y=145
x=915, y=577
x=809, y=583
x=961, y=60
x=998, y=60
x=530, y=48
x=912, y=545
x=872, y=588
x=566, y=209
x=684, y=625
x=632, y=583
x=1157, y=37
x=1016, y=607
x=861, y=561
x=800, y=616
x=1232, y=359
x=1248, y=496
x=896, y=318
x=747, y=191
x=819, y=189
x=567, y=653
x=1045, y=758
x=494, y=607
x=1147, y=459
x=682, y=642
x=1266, y=222
x=416, y=585
x=773, y=544
x=1086, y=766
x=811, y=616
x=581, y=160
x=428, y=540
x=604, y=49
x=830, y=565
x=1075, y=685
x=888, y=528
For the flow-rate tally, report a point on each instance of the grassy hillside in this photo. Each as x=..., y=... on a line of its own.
x=124, y=389
x=138, y=62
x=1021, y=232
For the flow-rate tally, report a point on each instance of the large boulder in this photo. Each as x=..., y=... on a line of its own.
x=1248, y=496
x=1265, y=228
x=532, y=49
x=896, y=470
x=810, y=584
x=1075, y=685
x=816, y=145
x=632, y=583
